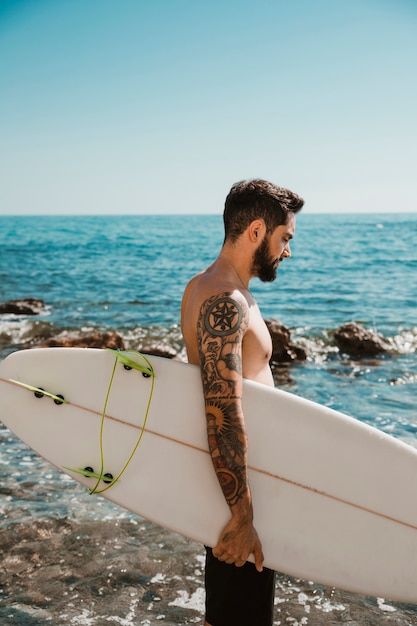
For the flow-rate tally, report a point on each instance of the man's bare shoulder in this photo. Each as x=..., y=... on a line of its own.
x=207, y=287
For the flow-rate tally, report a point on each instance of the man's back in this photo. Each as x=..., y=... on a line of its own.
x=222, y=286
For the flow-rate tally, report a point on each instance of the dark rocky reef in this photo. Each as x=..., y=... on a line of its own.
x=357, y=341
x=95, y=340
x=108, y=339
x=283, y=350
x=24, y=306
x=352, y=339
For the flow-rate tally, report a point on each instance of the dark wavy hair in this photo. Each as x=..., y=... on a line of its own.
x=249, y=200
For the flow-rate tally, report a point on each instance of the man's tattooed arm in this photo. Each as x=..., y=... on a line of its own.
x=222, y=324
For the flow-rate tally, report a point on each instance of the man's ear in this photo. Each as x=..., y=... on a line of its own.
x=256, y=230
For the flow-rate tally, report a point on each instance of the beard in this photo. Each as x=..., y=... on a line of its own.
x=263, y=266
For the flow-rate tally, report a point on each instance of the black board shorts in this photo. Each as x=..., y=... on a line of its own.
x=238, y=596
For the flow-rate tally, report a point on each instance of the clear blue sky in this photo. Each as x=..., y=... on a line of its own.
x=158, y=106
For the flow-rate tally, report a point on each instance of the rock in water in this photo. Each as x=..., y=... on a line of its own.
x=96, y=340
x=355, y=340
x=283, y=350
x=24, y=306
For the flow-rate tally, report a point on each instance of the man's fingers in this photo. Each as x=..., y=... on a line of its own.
x=259, y=559
x=238, y=554
x=225, y=557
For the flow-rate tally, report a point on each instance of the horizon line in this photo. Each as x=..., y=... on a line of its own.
x=205, y=214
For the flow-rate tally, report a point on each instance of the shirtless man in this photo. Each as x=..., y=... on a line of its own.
x=225, y=334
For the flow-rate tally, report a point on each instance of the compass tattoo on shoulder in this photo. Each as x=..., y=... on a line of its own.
x=223, y=316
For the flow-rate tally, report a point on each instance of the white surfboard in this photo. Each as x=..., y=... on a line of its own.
x=335, y=500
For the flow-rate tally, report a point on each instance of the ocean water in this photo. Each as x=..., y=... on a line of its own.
x=69, y=559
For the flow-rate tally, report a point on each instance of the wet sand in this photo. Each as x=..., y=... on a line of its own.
x=129, y=571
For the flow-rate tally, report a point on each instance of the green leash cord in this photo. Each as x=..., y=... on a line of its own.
x=121, y=357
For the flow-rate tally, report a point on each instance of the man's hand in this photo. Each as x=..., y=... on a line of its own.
x=236, y=542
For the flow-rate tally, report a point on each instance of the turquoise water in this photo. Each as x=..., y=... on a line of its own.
x=127, y=273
